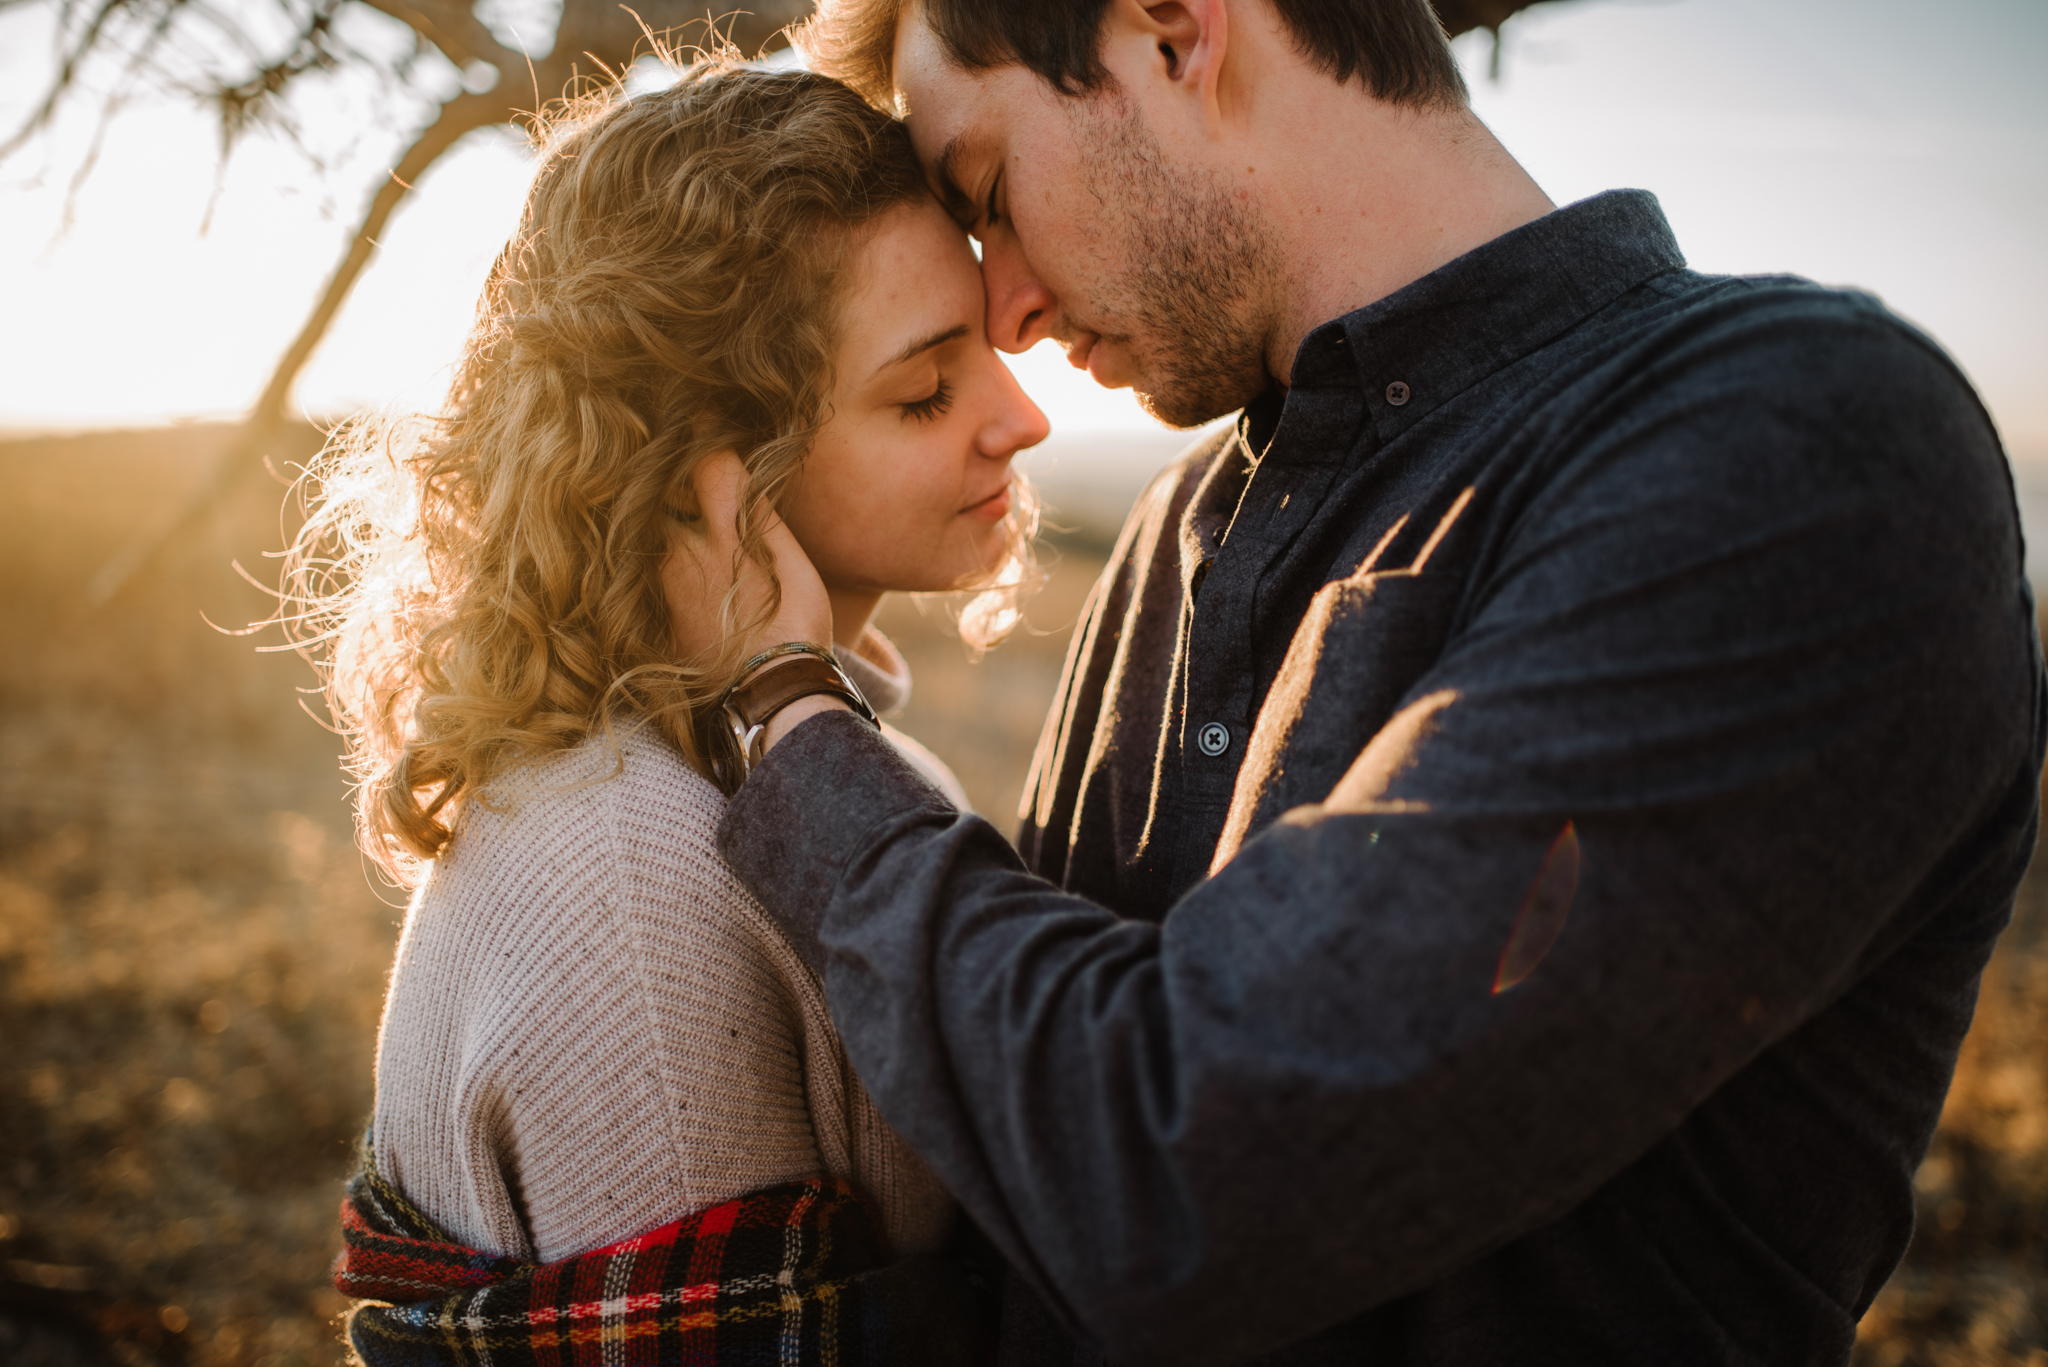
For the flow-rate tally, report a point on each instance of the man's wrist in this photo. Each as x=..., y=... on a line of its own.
x=770, y=685
x=796, y=714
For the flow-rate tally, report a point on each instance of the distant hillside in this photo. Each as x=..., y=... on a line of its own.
x=1090, y=479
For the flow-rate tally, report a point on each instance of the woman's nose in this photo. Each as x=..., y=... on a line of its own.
x=1020, y=309
x=1015, y=421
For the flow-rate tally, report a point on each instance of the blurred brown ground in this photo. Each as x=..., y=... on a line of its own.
x=192, y=955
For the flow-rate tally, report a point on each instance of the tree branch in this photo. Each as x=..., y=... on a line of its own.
x=240, y=457
x=454, y=30
x=1462, y=16
x=67, y=75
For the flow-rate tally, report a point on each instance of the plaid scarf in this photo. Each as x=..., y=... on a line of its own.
x=788, y=1275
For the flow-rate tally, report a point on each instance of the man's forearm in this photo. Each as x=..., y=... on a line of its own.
x=1117, y=1104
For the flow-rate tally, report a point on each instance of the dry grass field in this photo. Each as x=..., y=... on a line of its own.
x=192, y=955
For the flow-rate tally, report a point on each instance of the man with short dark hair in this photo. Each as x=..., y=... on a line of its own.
x=1509, y=866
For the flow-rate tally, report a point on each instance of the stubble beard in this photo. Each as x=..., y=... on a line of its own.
x=1192, y=302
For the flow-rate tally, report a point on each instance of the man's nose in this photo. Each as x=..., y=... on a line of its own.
x=1020, y=310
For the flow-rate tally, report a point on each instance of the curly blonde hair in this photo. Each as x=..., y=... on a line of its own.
x=481, y=588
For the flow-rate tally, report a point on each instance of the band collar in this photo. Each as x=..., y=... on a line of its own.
x=1429, y=341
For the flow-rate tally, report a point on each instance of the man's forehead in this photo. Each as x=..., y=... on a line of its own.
x=933, y=93
x=945, y=108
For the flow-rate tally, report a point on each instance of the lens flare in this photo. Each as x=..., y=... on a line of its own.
x=1542, y=915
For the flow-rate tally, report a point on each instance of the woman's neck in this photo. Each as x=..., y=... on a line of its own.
x=852, y=610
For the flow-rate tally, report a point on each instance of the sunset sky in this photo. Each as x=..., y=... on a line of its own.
x=1895, y=146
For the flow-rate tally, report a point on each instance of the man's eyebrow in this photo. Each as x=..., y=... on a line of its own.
x=950, y=194
x=924, y=344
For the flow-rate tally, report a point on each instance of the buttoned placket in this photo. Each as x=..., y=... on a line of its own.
x=1318, y=427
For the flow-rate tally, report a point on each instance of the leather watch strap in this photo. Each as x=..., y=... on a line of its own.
x=773, y=689
x=732, y=732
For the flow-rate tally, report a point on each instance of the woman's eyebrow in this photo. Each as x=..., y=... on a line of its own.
x=923, y=344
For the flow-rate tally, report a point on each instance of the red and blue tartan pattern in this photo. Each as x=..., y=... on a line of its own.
x=791, y=1274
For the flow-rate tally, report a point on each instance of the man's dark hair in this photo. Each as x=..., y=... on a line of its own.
x=1396, y=48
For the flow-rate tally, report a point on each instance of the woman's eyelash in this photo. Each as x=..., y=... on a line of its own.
x=989, y=213
x=932, y=404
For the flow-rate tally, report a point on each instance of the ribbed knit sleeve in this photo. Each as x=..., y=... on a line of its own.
x=593, y=1028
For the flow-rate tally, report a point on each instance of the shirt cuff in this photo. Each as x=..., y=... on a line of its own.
x=807, y=810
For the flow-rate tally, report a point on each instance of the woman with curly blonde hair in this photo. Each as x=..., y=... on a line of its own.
x=611, y=1105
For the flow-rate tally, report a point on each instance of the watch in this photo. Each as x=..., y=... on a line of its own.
x=765, y=688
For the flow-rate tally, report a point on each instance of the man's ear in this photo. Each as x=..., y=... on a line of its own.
x=1188, y=39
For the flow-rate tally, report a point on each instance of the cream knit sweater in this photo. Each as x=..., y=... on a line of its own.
x=593, y=1029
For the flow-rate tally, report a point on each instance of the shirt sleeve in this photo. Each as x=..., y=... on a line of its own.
x=1731, y=707
x=935, y=770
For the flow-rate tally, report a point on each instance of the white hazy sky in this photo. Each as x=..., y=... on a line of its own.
x=1878, y=143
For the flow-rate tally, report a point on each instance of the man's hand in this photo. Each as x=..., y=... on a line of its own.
x=711, y=587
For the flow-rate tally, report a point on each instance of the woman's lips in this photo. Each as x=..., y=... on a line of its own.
x=994, y=508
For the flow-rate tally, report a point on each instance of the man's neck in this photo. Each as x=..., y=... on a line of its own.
x=1379, y=198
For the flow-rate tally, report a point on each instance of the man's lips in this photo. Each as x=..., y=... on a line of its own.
x=1090, y=351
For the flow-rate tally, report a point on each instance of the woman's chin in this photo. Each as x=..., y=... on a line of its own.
x=965, y=558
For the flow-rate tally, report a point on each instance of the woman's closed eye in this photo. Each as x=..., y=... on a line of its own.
x=932, y=404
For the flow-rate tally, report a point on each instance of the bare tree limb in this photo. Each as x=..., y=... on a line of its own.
x=454, y=29
x=458, y=118
x=242, y=455
x=1462, y=16
x=66, y=77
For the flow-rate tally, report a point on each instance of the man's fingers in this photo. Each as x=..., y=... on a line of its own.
x=712, y=588
x=789, y=557
x=703, y=554
x=805, y=610
x=720, y=481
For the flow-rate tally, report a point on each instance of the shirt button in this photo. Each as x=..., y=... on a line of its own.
x=1397, y=393
x=1214, y=739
